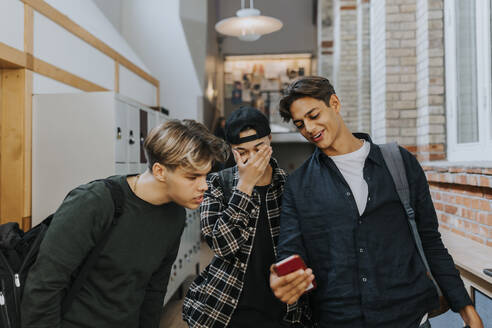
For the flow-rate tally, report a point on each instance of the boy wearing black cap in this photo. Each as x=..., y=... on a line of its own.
x=241, y=226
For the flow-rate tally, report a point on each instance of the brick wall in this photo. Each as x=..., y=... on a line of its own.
x=378, y=70
x=401, y=71
x=430, y=81
x=463, y=200
x=394, y=25
x=325, y=39
x=363, y=67
x=407, y=98
x=345, y=59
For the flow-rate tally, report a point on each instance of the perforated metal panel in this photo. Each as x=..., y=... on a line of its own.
x=187, y=261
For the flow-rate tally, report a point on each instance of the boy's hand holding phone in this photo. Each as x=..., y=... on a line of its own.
x=290, y=278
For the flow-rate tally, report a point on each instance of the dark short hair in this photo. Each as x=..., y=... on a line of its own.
x=316, y=87
x=246, y=118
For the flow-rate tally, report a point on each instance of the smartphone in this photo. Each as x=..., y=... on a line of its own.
x=291, y=264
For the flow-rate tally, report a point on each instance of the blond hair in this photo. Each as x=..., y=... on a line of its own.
x=184, y=143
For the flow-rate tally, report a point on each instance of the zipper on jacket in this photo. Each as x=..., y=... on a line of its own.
x=17, y=285
x=5, y=302
x=5, y=312
x=6, y=263
x=34, y=246
x=17, y=280
x=15, y=290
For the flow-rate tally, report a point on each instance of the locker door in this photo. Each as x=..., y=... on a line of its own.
x=121, y=133
x=133, y=134
x=162, y=118
x=143, y=133
x=121, y=168
x=134, y=168
x=152, y=122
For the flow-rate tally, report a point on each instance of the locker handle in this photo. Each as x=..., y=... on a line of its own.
x=118, y=133
x=132, y=140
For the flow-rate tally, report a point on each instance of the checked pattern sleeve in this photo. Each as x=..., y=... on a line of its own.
x=225, y=228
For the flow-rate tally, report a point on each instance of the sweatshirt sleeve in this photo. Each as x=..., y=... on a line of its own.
x=151, y=309
x=76, y=226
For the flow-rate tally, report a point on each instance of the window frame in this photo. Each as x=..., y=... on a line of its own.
x=481, y=150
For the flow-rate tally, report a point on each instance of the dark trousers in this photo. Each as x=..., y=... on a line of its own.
x=255, y=319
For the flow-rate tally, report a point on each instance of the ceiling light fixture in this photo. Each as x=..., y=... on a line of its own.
x=249, y=25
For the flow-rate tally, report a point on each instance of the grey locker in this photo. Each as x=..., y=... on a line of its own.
x=91, y=138
x=152, y=120
x=163, y=118
x=121, y=168
x=133, y=134
x=186, y=263
x=121, y=133
x=134, y=168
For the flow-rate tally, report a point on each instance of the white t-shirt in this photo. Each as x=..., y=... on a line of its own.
x=351, y=166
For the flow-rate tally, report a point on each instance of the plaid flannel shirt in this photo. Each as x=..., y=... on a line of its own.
x=229, y=228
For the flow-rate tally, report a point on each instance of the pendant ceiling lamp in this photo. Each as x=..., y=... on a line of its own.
x=249, y=25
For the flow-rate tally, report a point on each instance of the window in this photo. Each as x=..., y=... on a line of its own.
x=468, y=79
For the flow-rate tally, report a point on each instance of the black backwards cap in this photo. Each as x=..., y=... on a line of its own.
x=246, y=117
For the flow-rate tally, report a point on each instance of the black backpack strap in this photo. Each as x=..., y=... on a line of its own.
x=226, y=178
x=118, y=200
x=394, y=162
x=117, y=195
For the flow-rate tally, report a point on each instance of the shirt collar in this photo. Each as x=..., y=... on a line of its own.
x=374, y=153
x=278, y=175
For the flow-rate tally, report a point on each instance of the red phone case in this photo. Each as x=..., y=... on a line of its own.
x=291, y=264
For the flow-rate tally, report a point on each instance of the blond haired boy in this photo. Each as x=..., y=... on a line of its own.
x=127, y=284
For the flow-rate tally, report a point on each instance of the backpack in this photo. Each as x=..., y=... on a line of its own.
x=394, y=162
x=19, y=250
x=226, y=178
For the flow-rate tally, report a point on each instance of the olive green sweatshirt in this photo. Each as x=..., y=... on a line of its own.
x=126, y=287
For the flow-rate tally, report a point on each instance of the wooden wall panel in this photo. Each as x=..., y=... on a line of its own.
x=11, y=57
x=27, y=160
x=58, y=74
x=28, y=29
x=29, y=50
x=64, y=21
x=116, y=77
x=1, y=132
x=16, y=88
x=12, y=145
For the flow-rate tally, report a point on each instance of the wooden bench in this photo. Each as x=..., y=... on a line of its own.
x=470, y=258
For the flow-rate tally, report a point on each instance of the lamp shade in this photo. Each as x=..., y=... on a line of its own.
x=249, y=25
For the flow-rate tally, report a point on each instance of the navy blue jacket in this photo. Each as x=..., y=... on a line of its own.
x=367, y=267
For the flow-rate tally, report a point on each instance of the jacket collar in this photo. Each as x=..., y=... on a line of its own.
x=374, y=153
